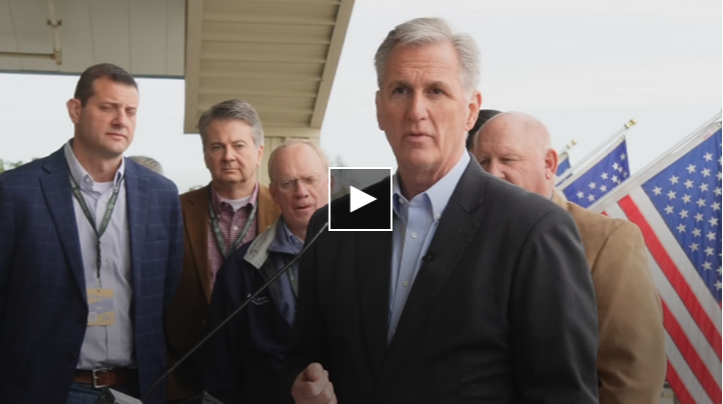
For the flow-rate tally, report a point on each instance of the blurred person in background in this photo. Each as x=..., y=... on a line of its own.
x=484, y=116
x=149, y=163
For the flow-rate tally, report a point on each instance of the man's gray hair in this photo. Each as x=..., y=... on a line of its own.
x=149, y=163
x=427, y=31
x=292, y=142
x=229, y=110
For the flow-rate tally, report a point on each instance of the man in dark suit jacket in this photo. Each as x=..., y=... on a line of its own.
x=76, y=313
x=480, y=294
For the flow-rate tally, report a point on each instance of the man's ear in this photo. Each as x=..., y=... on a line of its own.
x=260, y=156
x=274, y=191
x=474, y=105
x=74, y=109
x=379, y=118
x=551, y=160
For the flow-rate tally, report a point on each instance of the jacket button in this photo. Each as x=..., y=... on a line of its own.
x=71, y=357
x=80, y=319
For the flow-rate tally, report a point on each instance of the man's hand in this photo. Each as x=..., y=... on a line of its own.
x=312, y=386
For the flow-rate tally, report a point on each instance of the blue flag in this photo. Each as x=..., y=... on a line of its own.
x=564, y=164
x=586, y=187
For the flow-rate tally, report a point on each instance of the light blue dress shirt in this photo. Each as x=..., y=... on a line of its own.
x=105, y=346
x=415, y=223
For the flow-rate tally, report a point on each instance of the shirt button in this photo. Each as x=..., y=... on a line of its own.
x=87, y=180
x=235, y=228
x=414, y=234
x=105, y=264
x=405, y=283
x=437, y=217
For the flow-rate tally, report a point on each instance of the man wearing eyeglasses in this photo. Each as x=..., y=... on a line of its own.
x=218, y=218
x=244, y=358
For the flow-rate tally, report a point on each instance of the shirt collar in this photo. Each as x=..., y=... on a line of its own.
x=216, y=199
x=80, y=175
x=438, y=194
x=285, y=241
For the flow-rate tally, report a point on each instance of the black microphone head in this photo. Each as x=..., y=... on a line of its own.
x=203, y=398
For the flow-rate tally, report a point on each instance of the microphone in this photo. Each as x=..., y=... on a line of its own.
x=110, y=396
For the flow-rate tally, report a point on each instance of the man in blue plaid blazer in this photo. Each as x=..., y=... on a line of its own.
x=90, y=256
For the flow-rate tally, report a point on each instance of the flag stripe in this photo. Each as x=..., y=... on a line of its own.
x=675, y=314
x=680, y=260
x=671, y=271
x=681, y=392
x=691, y=345
x=692, y=333
x=690, y=355
x=683, y=383
x=678, y=256
x=675, y=304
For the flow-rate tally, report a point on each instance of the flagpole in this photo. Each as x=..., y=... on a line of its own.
x=629, y=124
x=569, y=146
x=624, y=189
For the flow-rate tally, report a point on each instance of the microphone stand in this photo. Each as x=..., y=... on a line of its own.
x=238, y=310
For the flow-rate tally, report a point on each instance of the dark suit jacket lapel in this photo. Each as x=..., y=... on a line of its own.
x=456, y=229
x=59, y=198
x=137, y=199
x=374, y=258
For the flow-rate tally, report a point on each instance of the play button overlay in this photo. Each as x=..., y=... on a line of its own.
x=360, y=199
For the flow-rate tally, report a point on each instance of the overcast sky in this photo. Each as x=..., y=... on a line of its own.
x=584, y=67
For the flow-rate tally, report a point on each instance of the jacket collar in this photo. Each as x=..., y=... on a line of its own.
x=258, y=251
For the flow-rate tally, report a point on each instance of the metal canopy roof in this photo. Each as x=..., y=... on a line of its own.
x=144, y=37
x=279, y=55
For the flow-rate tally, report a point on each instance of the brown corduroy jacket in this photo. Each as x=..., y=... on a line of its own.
x=631, y=359
x=186, y=317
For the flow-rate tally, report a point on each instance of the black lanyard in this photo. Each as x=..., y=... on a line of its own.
x=217, y=229
x=106, y=216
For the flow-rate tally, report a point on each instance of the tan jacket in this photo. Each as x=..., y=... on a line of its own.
x=631, y=358
x=187, y=315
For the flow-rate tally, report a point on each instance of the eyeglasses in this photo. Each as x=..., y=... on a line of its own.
x=309, y=180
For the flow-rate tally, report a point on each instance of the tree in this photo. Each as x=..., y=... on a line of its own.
x=9, y=165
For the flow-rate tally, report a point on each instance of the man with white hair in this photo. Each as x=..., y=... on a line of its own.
x=244, y=358
x=480, y=294
x=631, y=360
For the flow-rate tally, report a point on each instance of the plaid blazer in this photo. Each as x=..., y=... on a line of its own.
x=43, y=309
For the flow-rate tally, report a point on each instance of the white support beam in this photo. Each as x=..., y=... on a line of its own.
x=332, y=62
x=194, y=38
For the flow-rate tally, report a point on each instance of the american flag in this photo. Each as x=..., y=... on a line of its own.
x=676, y=203
x=607, y=172
x=562, y=168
